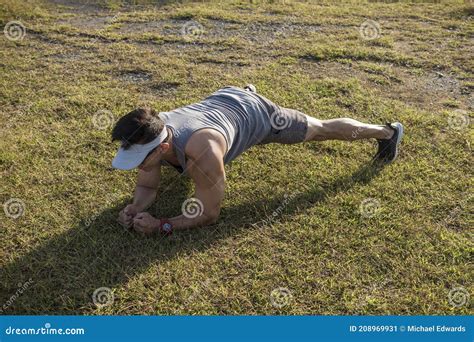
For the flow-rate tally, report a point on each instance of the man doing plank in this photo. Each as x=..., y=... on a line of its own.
x=200, y=138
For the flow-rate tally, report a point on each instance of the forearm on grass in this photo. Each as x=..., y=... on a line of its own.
x=146, y=188
x=182, y=222
x=143, y=197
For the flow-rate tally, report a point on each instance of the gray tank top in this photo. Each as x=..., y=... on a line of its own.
x=240, y=115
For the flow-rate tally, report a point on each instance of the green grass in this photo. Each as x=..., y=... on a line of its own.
x=75, y=61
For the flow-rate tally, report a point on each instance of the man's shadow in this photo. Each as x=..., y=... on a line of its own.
x=67, y=268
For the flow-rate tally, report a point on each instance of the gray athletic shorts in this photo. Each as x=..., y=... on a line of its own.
x=289, y=126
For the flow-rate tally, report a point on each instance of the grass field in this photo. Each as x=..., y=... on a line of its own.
x=305, y=229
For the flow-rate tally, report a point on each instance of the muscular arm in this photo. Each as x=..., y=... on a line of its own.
x=205, y=151
x=207, y=172
x=145, y=194
x=146, y=188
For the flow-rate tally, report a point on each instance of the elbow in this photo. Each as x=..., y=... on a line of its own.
x=211, y=218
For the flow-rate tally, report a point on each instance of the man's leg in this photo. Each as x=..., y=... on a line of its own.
x=290, y=126
x=344, y=129
x=388, y=136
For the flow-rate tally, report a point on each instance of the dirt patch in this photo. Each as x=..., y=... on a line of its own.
x=164, y=87
x=77, y=6
x=135, y=76
x=89, y=22
x=429, y=90
x=436, y=82
x=65, y=56
x=162, y=27
x=318, y=70
x=262, y=33
x=220, y=29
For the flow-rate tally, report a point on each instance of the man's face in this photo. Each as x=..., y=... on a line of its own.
x=153, y=158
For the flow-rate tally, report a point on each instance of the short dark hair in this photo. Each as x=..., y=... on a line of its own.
x=141, y=125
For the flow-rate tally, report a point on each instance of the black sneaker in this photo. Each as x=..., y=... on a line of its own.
x=388, y=148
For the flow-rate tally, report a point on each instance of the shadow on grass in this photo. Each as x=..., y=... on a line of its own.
x=67, y=269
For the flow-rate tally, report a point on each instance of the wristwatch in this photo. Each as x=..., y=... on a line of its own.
x=166, y=227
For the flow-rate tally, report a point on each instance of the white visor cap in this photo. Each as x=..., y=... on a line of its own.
x=130, y=158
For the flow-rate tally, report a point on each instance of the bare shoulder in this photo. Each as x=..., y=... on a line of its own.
x=205, y=144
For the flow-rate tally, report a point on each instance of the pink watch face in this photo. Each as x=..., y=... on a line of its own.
x=167, y=227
